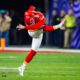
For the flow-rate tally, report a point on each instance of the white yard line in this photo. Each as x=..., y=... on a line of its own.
x=13, y=68
x=8, y=57
x=8, y=68
x=54, y=76
x=58, y=72
x=56, y=67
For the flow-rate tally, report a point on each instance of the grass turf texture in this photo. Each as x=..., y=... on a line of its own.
x=43, y=67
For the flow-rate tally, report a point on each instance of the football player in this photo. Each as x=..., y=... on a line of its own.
x=35, y=23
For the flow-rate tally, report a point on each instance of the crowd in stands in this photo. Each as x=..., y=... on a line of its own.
x=67, y=30
x=68, y=37
x=10, y=19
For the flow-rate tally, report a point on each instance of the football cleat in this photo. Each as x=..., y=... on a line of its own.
x=21, y=71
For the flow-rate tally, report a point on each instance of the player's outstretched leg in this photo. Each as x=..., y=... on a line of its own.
x=36, y=42
x=29, y=57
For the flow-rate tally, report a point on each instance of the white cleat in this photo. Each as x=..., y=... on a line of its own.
x=21, y=71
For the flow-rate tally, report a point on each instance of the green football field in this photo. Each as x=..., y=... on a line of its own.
x=43, y=67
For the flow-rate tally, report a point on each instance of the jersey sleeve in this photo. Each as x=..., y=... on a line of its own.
x=48, y=28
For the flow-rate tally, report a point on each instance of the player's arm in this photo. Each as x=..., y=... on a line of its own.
x=38, y=25
x=48, y=28
x=52, y=28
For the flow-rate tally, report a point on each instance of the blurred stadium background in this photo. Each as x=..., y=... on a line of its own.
x=60, y=62
x=16, y=11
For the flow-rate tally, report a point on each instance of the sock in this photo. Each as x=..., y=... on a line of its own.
x=23, y=65
x=30, y=56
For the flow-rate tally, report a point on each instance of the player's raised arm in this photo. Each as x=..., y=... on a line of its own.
x=52, y=28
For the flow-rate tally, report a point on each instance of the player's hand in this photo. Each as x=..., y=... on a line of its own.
x=20, y=27
x=62, y=28
x=59, y=27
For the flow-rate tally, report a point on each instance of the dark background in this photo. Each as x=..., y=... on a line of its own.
x=19, y=7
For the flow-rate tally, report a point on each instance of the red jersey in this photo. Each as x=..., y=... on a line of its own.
x=35, y=20
x=31, y=18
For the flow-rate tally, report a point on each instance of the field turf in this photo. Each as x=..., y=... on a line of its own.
x=43, y=67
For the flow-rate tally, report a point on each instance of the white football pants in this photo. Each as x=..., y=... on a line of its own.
x=36, y=39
